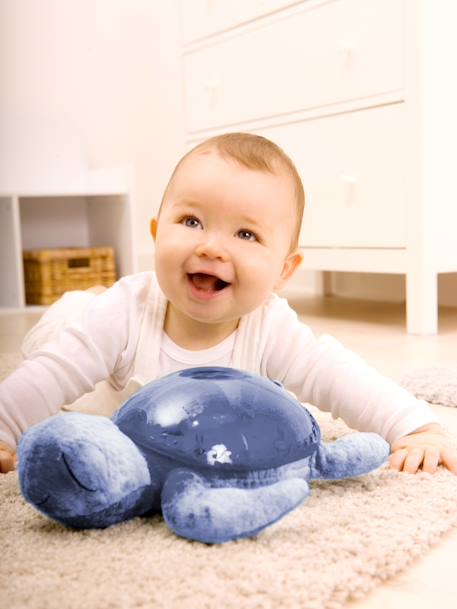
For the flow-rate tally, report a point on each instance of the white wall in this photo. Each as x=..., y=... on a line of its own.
x=108, y=72
x=87, y=67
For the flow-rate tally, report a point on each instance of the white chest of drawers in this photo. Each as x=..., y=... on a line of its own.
x=360, y=94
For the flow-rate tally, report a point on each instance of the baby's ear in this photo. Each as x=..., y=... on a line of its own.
x=153, y=228
x=291, y=263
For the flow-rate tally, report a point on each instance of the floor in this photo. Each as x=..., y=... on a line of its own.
x=13, y=326
x=377, y=332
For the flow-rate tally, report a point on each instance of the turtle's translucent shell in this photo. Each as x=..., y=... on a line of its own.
x=219, y=418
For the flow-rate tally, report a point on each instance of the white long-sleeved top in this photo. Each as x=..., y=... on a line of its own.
x=119, y=337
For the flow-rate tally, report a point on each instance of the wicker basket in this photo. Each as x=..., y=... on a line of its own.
x=48, y=273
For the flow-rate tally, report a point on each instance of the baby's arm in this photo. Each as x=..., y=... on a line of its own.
x=324, y=373
x=63, y=369
x=425, y=448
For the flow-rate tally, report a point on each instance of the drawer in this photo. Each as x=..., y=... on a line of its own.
x=201, y=18
x=329, y=53
x=353, y=171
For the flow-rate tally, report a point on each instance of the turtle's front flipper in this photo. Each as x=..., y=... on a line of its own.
x=83, y=471
x=194, y=509
x=352, y=455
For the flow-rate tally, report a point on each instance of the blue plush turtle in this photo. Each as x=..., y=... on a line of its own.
x=219, y=452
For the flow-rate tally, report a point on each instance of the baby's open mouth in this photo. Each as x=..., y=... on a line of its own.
x=207, y=283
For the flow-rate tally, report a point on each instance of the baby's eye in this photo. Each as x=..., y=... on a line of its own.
x=247, y=235
x=191, y=222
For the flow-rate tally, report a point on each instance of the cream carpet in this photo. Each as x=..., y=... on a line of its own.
x=435, y=385
x=346, y=539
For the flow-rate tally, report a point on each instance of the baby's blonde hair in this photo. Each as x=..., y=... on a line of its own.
x=257, y=153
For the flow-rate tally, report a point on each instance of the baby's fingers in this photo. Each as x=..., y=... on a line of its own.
x=413, y=460
x=431, y=460
x=397, y=459
x=7, y=461
x=408, y=460
x=449, y=460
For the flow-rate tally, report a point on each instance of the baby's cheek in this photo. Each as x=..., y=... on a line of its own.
x=266, y=268
x=260, y=275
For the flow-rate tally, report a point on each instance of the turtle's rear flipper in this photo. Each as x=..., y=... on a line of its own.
x=194, y=509
x=352, y=455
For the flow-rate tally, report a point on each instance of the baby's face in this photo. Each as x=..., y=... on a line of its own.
x=223, y=238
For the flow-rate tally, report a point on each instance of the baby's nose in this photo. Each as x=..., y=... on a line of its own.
x=212, y=247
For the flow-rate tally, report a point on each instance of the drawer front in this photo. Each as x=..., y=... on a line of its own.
x=340, y=51
x=200, y=18
x=353, y=171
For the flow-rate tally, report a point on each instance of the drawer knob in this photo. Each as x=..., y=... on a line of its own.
x=210, y=85
x=349, y=178
x=346, y=47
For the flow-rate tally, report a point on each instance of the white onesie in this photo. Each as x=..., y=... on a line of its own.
x=114, y=342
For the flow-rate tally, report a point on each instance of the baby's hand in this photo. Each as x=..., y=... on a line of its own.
x=7, y=458
x=424, y=449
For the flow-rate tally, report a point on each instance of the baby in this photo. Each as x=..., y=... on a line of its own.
x=226, y=240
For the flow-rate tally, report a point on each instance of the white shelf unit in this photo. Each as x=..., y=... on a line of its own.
x=94, y=211
x=358, y=93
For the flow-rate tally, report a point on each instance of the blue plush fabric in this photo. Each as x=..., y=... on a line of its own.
x=220, y=452
x=82, y=471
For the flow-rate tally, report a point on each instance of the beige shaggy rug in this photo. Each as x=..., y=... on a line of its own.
x=346, y=539
x=437, y=385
